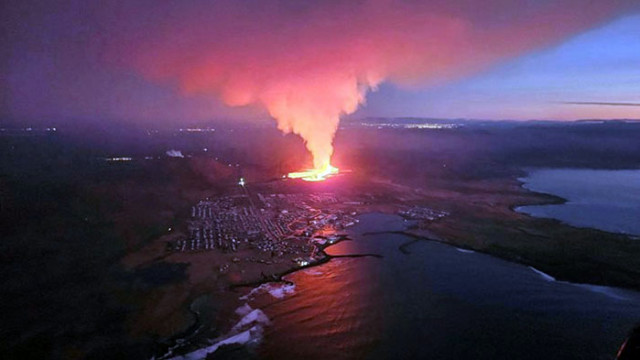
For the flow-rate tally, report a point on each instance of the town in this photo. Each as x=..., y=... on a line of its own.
x=276, y=223
x=422, y=213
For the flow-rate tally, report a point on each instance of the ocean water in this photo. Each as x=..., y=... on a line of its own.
x=608, y=200
x=436, y=302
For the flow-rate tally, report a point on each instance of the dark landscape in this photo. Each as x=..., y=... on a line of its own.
x=326, y=179
x=88, y=242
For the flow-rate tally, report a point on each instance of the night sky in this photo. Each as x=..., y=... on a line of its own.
x=162, y=61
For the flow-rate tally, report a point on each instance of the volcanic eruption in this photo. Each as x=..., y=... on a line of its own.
x=309, y=63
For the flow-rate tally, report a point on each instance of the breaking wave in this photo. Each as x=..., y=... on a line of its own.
x=542, y=274
x=278, y=291
x=248, y=331
x=313, y=272
x=604, y=290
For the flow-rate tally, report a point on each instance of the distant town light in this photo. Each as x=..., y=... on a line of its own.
x=122, y=158
x=411, y=126
x=241, y=182
x=302, y=262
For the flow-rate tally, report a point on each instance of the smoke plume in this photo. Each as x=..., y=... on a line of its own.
x=308, y=64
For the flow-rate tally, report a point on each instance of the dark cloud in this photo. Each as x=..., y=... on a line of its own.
x=599, y=103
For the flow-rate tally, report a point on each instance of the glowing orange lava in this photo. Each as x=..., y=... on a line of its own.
x=320, y=174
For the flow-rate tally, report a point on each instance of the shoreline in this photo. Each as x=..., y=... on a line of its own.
x=193, y=329
x=605, y=289
x=583, y=255
x=559, y=200
x=517, y=259
x=278, y=277
x=244, y=338
x=417, y=238
x=415, y=235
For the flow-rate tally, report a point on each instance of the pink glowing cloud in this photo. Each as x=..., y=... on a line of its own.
x=309, y=64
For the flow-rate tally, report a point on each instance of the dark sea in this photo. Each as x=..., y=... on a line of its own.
x=436, y=302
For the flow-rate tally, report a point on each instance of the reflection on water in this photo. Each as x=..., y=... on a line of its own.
x=439, y=303
x=604, y=199
x=334, y=314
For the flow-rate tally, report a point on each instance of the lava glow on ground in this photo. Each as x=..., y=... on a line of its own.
x=315, y=174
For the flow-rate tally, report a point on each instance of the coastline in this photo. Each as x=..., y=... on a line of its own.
x=457, y=230
x=278, y=277
x=550, y=275
x=245, y=330
x=254, y=319
x=520, y=257
x=564, y=200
